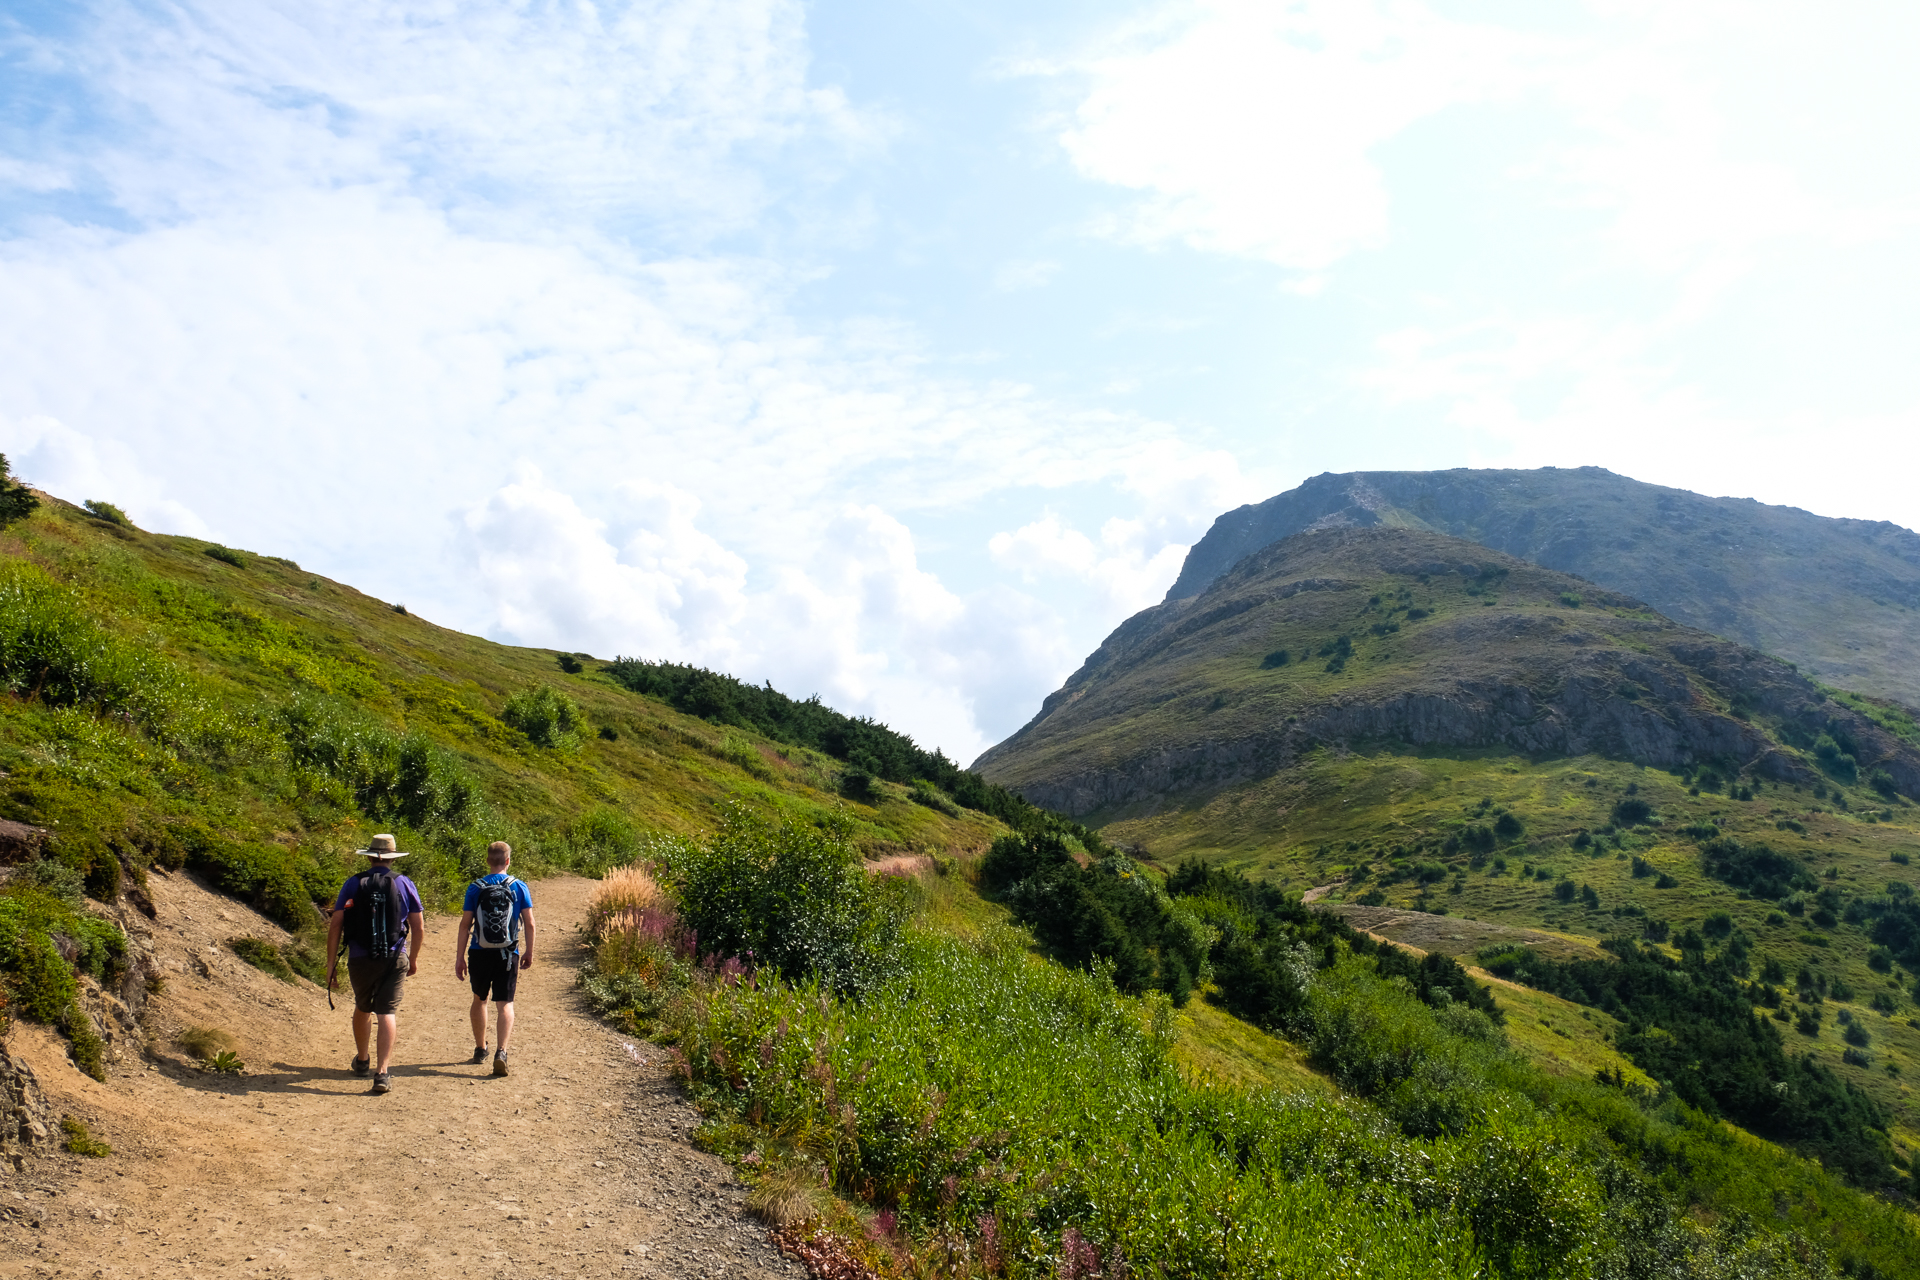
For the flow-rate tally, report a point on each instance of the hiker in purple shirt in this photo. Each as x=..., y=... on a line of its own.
x=379, y=910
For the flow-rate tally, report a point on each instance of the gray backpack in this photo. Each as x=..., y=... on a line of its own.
x=493, y=919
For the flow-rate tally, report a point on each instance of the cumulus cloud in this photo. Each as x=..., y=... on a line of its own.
x=856, y=620
x=53, y=457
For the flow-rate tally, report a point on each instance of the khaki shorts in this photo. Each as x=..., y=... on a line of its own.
x=376, y=982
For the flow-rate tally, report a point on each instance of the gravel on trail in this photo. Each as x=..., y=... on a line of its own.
x=576, y=1164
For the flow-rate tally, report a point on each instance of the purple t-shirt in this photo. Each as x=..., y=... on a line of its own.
x=409, y=905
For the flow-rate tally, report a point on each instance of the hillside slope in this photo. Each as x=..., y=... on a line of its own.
x=1500, y=743
x=1401, y=635
x=179, y=704
x=1839, y=597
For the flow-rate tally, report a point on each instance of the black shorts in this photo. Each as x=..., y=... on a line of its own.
x=494, y=974
x=376, y=982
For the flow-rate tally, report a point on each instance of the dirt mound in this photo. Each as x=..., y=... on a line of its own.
x=577, y=1163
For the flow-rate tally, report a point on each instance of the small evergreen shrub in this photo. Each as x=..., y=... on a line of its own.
x=226, y=555
x=1278, y=658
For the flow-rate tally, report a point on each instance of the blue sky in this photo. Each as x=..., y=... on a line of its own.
x=897, y=351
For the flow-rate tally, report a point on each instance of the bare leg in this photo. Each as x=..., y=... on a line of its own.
x=477, y=1015
x=389, y=1029
x=505, y=1008
x=362, y=1032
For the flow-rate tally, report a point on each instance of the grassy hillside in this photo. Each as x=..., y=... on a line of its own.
x=1839, y=597
x=981, y=1110
x=1511, y=746
x=177, y=702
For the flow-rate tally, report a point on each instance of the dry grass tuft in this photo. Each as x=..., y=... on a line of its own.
x=621, y=891
x=206, y=1042
x=788, y=1197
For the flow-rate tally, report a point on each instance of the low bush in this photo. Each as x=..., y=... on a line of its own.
x=792, y=898
x=227, y=555
x=546, y=716
x=78, y=1140
x=1111, y=911
x=108, y=512
x=262, y=955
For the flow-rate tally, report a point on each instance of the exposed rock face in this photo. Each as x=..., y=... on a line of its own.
x=20, y=842
x=1840, y=597
x=26, y=1121
x=1177, y=699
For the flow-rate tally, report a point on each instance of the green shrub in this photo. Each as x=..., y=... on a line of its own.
x=925, y=793
x=1278, y=658
x=79, y=1141
x=226, y=555
x=548, y=717
x=792, y=898
x=17, y=502
x=262, y=955
x=108, y=512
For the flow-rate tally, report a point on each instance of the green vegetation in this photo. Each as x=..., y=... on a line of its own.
x=1110, y=911
x=793, y=899
x=78, y=1140
x=1022, y=1118
x=108, y=512
x=548, y=717
x=253, y=728
x=17, y=502
x=868, y=748
x=1692, y=1026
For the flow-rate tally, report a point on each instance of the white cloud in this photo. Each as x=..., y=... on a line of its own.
x=1248, y=125
x=624, y=110
x=52, y=457
x=858, y=621
x=1024, y=273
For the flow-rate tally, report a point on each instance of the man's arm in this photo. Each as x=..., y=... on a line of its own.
x=333, y=945
x=460, y=950
x=526, y=952
x=416, y=935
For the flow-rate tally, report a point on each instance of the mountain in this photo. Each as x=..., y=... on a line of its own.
x=1394, y=634
x=1464, y=743
x=1839, y=597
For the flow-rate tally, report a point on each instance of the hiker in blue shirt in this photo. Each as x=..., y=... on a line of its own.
x=496, y=906
x=380, y=912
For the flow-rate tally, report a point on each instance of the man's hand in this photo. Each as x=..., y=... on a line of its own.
x=333, y=978
x=460, y=965
x=413, y=964
x=526, y=960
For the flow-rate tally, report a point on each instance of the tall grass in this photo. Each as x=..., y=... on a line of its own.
x=1030, y=1114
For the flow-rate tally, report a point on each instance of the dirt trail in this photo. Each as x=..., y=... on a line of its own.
x=576, y=1164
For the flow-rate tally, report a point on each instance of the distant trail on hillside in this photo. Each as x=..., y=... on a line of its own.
x=576, y=1164
x=1840, y=597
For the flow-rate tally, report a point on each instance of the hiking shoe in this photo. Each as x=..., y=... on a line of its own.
x=479, y=1055
x=380, y=1083
x=499, y=1064
x=360, y=1065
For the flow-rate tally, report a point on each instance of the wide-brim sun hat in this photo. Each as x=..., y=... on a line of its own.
x=383, y=847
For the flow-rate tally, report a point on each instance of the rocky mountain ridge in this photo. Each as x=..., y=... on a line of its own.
x=1414, y=637
x=1840, y=597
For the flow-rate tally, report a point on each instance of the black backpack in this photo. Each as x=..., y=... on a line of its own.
x=376, y=918
x=493, y=922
